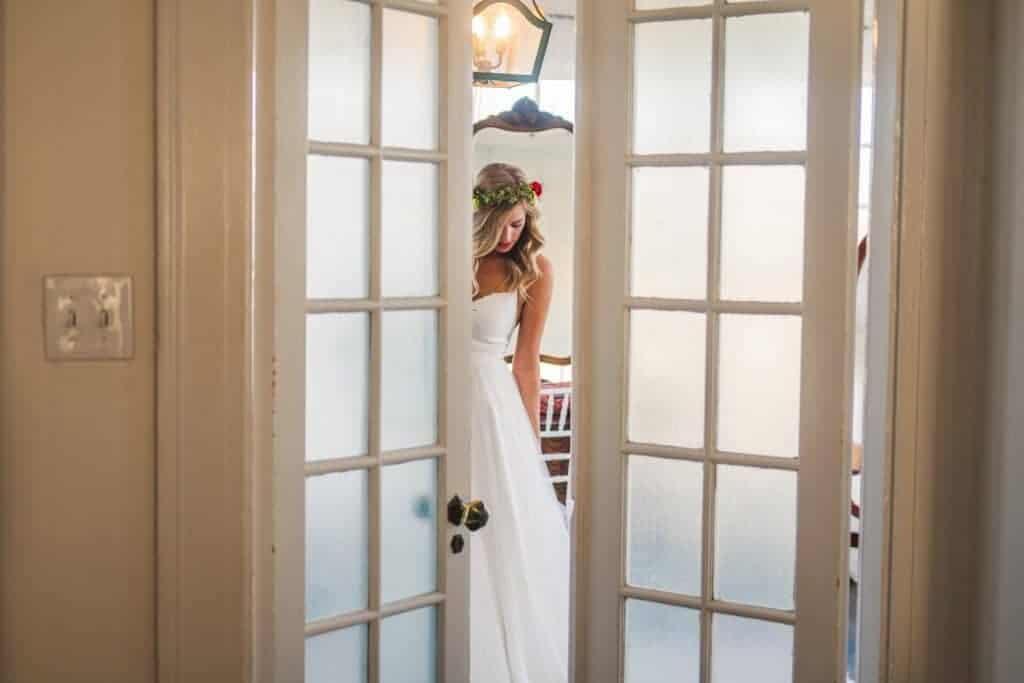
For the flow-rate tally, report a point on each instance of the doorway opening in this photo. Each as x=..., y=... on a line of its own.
x=531, y=127
x=370, y=408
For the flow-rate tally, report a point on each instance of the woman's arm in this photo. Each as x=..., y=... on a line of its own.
x=526, y=363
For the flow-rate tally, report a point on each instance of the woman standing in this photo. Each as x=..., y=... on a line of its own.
x=520, y=590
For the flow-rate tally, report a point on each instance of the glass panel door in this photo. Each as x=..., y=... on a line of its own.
x=723, y=237
x=372, y=236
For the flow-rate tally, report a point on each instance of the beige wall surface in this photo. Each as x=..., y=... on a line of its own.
x=77, y=574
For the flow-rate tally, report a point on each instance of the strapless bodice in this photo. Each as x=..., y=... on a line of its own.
x=494, y=320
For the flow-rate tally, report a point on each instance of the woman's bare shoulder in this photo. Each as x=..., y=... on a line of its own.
x=546, y=268
x=543, y=284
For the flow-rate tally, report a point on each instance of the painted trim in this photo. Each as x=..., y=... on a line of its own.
x=929, y=608
x=262, y=634
x=287, y=298
x=580, y=478
x=883, y=283
x=168, y=347
x=204, y=66
x=830, y=280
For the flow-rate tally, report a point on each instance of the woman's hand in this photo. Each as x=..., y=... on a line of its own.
x=526, y=363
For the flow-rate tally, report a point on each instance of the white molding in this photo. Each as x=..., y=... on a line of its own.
x=262, y=634
x=928, y=606
x=287, y=297
x=830, y=277
x=203, y=96
x=168, y=346
x=581, y=484
x=456, y=115
x=881, y=344
x=579, y=473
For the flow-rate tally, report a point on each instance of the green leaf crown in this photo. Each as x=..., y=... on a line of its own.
x=506, y=195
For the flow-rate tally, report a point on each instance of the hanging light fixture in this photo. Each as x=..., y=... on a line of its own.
x=509, y=42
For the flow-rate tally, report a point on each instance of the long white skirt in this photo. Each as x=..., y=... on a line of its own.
x=519, y=602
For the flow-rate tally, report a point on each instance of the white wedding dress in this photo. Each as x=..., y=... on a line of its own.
x=519, y=602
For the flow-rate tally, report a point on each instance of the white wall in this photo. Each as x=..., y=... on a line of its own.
x=546, y=157
x=1000, y=624
x=77, y=469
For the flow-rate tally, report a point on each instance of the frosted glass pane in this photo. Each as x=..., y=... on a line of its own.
x=660, y=4
x=408, y=647
x=339, y=71
x=410, y=80
x=763, y=233
x=672, y=82
x=409, y=380
x=750, y=650
x=662, y=643
x=759, y=385
x=337, y=385
x=666, y=378
x=755, y=536
x=337, y=544
x=766, y=82
x=409, y=217
x=338, y=228
x=409, y=529
x=670, y=232
x=665, y=510
x=337, y=657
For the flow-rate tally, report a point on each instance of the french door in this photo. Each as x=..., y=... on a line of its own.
x=719, y=325
x=716, y=144
x=372, y=191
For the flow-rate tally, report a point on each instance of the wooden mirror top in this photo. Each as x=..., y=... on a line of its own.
x=524, y=117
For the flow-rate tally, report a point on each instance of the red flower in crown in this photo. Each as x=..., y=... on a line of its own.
x=537, y=188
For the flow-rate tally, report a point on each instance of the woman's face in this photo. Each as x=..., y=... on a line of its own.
x=511, y=229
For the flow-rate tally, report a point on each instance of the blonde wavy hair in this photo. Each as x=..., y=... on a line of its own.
x=523, y=270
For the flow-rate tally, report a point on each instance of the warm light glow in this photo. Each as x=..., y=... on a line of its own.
x=509, y=40
x=502, y=26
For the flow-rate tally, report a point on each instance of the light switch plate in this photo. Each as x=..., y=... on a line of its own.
x=88, y=317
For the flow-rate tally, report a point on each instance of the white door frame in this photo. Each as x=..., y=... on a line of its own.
x=205, y=370
x=215, y=478
x=880, y=385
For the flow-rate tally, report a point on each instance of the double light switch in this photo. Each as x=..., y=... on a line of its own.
x=88, y=317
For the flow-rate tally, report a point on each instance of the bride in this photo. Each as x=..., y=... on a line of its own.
x=519, y=603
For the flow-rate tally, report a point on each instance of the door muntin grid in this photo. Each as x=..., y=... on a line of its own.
x=377, y=573
x=730, y=461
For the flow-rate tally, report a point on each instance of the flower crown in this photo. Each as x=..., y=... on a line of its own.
x=507, y=195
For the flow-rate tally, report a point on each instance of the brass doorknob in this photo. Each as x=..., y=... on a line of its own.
x=473, y=514
x=476, y=515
